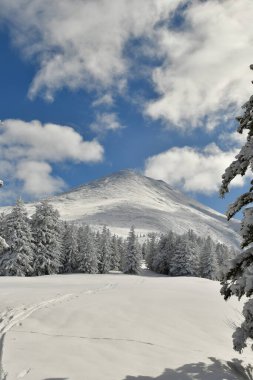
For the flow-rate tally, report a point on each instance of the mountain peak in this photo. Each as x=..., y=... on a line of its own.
x=125, y=173
x=128, y=198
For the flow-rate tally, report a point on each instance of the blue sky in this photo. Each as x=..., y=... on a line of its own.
x=150, y=85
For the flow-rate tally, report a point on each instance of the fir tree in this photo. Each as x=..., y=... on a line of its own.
x=151, y=250
x=18, y=259
x=208, y=260
x=3, y=232
x=104, y=263
x=223, y=255
x=87, y=256
x=122, y=252
x=69, y=248
x=182, y=261
x=161, y=260
x=132, y=257
x=115, y=256
x=144, y=250
x=3, y=243
x=46, y=230
x=3, y=225
x=238, y=279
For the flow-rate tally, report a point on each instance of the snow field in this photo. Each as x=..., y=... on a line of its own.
x=114, y=326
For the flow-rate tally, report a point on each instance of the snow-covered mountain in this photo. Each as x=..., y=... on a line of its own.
x=127, y=198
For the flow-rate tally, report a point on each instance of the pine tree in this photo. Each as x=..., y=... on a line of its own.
x=122, y=252
x=3, y=244
x=3, y=225
x=161, y=261
x=238, y=280
x=69, y=248
x=87, y=256
x=169, y=249
x=224, y=255
x=151, y=250
x=132, y=258
x=104, y=263
x=144, y=250
x=3, y=232
x=192, y=243
x=208, y=260
x=115, y=256
x=18, y=259
x=46, y=230
x=184, y=261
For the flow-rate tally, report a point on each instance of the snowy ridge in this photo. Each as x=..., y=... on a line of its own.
x=127, y=198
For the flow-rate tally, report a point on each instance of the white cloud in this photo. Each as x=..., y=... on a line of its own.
x=49, y=142
x=192, y=169
x=28, y=150
x=105, y=100
x=80, y=43
x=38, y=179
x=106, y=122
x=233, y=139
x=205, y=71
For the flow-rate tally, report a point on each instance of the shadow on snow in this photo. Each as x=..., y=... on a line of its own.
x=217, y=370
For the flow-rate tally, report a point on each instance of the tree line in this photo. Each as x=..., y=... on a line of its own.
x=187, y=255
x=44, y=245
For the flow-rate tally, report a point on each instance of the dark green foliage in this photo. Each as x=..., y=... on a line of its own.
x=18, y=259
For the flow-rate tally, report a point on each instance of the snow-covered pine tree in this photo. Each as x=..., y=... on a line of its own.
x=46, y=229
x=171, y=241
x=18, y=259
x=3, y=243
x=151, y=251
x=238, y=279
x=224, y=255
x=115, y=256
x=144, y=250
x=122, y=252
x=87, y=254
x=208, y=260
x=3, y=225
x=133, y=255
x=182, y=261
x=161, y=261
x=97, y=238
x=193, y=242
x=104, y=251
x=69, y=248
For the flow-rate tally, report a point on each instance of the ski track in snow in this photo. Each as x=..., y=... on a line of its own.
x=12, y=317
x=88, y=338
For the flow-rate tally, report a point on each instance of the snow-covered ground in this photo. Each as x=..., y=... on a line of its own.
x=117, y=327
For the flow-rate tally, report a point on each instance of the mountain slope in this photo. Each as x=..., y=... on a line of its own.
x=127, y=198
